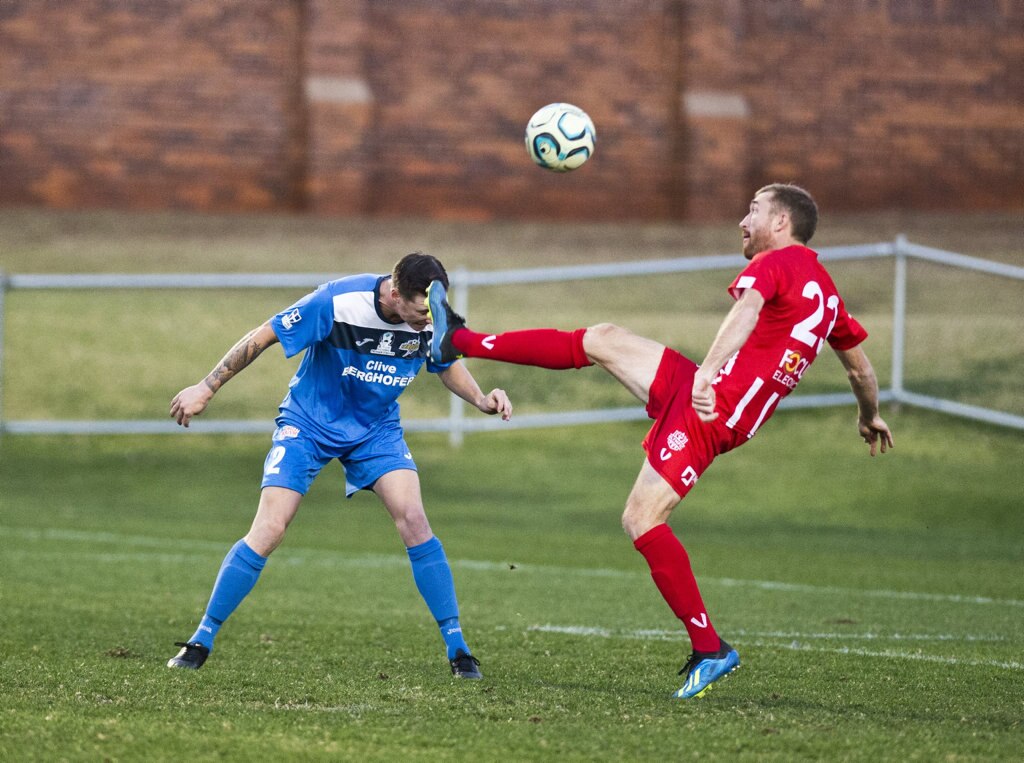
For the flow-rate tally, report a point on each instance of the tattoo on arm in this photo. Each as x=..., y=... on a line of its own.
x=238, y=357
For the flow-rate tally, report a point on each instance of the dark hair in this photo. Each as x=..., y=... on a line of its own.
x=414, y=272
x=803, y=212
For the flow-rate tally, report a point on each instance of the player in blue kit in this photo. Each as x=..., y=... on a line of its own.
x=365, y=338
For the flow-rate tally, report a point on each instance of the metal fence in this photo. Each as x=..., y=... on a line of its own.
x=462, y=282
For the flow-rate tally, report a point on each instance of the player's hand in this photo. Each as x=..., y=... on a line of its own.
x=876, y=434
x=496, y=401
x=703, y=398
x=190, y=402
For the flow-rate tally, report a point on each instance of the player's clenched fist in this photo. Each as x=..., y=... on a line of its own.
x=703, y=397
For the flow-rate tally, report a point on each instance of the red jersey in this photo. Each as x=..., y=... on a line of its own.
x=802, y=311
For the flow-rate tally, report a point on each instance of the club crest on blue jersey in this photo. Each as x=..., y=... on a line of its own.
x=384, y=345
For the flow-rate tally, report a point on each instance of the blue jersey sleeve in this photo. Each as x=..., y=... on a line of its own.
x=306, y=322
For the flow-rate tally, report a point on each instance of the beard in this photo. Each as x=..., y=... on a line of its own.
x=756, y=242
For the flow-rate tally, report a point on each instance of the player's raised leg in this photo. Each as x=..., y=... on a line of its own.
x=545, y=348
x=630, y=358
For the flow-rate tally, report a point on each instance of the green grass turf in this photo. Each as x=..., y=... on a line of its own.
x=877, y=604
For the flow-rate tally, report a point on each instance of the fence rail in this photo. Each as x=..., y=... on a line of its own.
x=456, y=424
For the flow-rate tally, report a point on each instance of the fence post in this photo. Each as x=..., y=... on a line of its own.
x=456, y=406
x=3, y=291
x=899, y=316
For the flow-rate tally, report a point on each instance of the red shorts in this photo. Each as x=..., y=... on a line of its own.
x=679, y=445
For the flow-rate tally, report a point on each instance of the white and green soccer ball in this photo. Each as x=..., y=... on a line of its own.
x=560, y=137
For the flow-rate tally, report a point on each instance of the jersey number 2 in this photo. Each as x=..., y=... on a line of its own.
x=274, y=460
x=804, y=330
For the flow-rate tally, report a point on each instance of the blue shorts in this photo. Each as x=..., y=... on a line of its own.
x=295, y=459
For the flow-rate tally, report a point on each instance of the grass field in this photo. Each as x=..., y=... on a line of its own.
x=878, y=604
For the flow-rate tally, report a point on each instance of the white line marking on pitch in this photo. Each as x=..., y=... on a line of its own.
x=795, y=646
x=871, y=636
x=772, y=585
x=678, y=635
x=895, y=655
x=321, y=557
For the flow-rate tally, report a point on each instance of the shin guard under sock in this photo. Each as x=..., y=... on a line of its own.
x=671, y=571
x=544, y=348
x=433, y=576
x=238, y=574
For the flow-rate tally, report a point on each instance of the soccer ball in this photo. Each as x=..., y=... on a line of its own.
x=560, y=137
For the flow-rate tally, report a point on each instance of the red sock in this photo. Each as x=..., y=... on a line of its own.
x=546, y=348
x=670, y=568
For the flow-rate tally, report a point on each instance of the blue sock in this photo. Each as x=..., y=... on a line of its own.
x=238, y=574
x=433, y=578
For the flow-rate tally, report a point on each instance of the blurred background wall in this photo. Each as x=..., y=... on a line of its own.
x=417, y=107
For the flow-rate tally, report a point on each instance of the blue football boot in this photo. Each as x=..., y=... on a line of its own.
x=446, y=322
x=704, y=668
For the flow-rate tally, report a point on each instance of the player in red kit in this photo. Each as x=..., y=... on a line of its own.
x=786, y=309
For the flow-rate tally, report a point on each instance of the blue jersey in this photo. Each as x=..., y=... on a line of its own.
x=356, y=362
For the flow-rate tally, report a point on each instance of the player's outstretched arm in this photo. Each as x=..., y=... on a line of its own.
x=193, y=400
x=460, y=381
x=864, y=383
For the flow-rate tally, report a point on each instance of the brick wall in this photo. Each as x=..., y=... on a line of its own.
x=418, y=107
x=455, y=91
x=150, y=104
x=916, y=104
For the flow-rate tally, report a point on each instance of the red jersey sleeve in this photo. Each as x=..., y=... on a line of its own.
x=759, y=274
x=847, y=333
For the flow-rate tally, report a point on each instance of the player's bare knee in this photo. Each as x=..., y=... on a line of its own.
x=602, y=338
x=413, y=527
x=601, y=333
x=266, y=536
x=634, y=522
